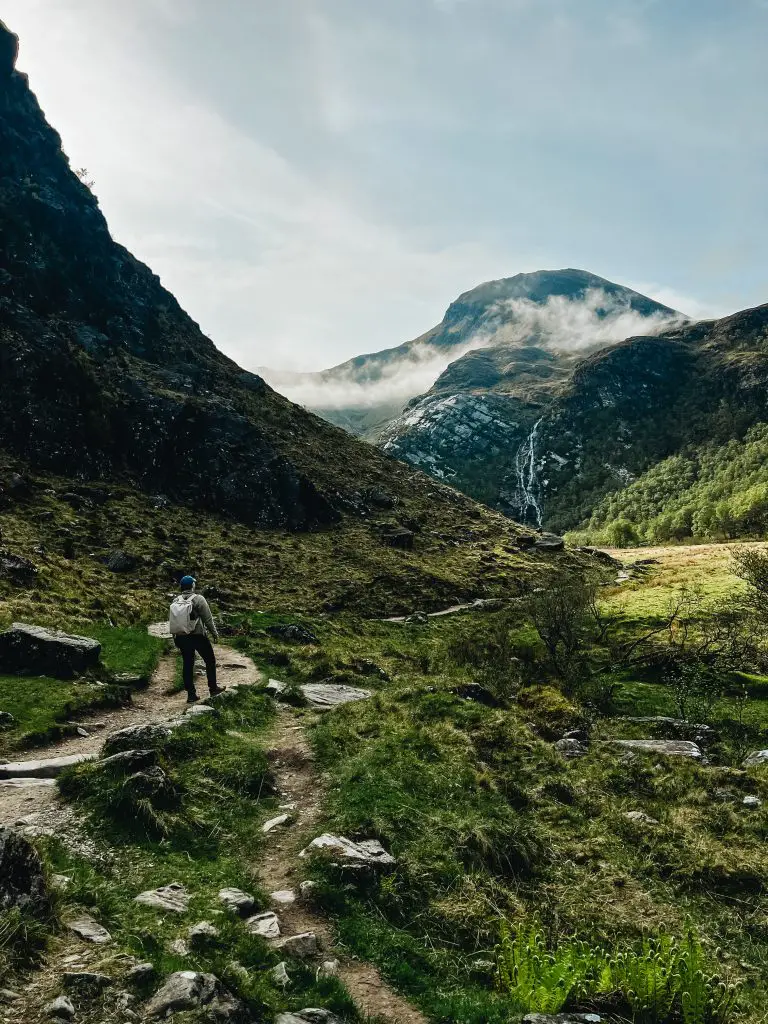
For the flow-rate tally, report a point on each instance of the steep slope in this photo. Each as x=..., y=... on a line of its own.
x=103, y=375
x=117, y=411
x=631, y=407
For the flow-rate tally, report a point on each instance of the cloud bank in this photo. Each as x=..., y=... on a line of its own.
x=558, y=325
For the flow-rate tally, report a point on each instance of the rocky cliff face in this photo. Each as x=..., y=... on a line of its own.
x=103, y=375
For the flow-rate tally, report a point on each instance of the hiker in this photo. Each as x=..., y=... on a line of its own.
x=189, y=619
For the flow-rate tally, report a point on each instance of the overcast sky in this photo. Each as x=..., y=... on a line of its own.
x=314, y=179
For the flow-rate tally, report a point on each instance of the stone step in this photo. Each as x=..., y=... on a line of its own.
x=25, y=783
x=47, y=768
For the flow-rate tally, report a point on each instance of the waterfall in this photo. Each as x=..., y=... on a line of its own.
x=525, y=467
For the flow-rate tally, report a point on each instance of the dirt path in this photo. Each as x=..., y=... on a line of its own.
x=156, y=703
x=479, y=602
x=301, y=784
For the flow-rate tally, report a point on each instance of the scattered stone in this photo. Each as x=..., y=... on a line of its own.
x=48, y=768
x=235, y=899
x=60, y=1008
x=140, y=973
x=273, y=823
x=283, y=896
x=476, y=692
x=562, y=1018
x=89, y=981
x=397, y=537
x=324, y=696
x=172, y=897
x=308, y=1016
x=195, y=710
x=130, y=760
x=22, y=880
x=121, y=561
x=328, y=969
x=286, y=807
x=570, y=748
x=368, y=854
x=302, y=945
x=180, y=947
x=640, y=818
x=280, y=975
x=757, y=757
x=202, y=931
x=35, y=651
x=7, y=721
x=133, y=737
x=183, y=990
x=580, y=735
x=416, y=619
x=292, y=633
x=548, y=542
x=274, y=687
x=7, y=995
x=364, y=667
x=722, y=796
x=307, y=888
x=89, y=930
x=752, y=802
x=670, y=748
x=267, y=925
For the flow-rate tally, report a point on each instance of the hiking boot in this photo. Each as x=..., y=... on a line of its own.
x=192, y=698
x=216, y=690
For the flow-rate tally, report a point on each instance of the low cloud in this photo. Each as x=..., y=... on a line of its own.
x=567, y=325
x=558, y=325
x=408, y=375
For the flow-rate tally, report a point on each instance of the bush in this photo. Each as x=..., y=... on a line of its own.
x=660, y=980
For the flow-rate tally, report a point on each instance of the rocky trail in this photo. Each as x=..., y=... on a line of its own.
x=281, y=872
x=30, y=806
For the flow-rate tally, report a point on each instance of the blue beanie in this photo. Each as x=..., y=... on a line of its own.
x=187, y=582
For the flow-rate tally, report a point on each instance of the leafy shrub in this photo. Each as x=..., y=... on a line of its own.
x=660, y=980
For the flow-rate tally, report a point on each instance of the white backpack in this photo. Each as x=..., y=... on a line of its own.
x=180, y=618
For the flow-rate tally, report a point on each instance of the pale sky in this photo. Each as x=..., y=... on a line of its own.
x=314, y=179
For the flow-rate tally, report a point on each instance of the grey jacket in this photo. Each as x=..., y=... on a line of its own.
x=201, y=616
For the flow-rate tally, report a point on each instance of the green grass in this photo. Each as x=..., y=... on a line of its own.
x=201, y=828
x=42, y=706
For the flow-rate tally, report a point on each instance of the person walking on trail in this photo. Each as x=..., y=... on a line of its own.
x=189, y=619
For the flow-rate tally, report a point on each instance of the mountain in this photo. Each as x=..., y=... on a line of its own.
x=366, y=394
x=501, y=353
x=116, y=405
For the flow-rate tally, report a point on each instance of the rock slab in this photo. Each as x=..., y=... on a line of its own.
x=366, y=855
x=308, y=1016
x=48, y=768
x=324, y=696
x=755, y=758
x=35, y=651
x=235, y=899
x=267, y=925
x=89, y=930
x=173, y=897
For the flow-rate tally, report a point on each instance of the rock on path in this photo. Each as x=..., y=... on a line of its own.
x=47, y=768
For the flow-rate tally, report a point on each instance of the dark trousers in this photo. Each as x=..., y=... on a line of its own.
x=189, y=645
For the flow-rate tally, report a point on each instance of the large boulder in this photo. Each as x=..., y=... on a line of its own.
x=141, y=738
x=17, y=569
x=35, y=651
x=22, y=882
x=754, y=759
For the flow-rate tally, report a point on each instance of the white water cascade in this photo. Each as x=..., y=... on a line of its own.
x=525, y=467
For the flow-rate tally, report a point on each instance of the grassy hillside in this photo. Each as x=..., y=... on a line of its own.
x=716, y=492
x=521, y=884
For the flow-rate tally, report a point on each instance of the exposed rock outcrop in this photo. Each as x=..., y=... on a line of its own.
x=35, y=651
